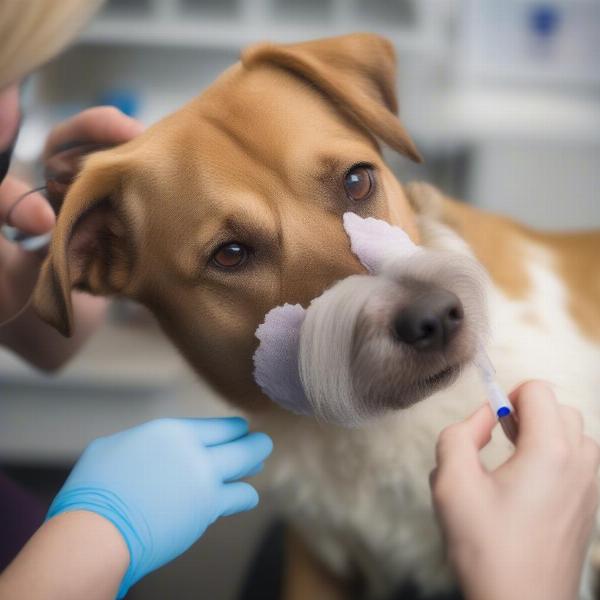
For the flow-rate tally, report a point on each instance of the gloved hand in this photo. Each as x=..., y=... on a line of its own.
x=164, y=482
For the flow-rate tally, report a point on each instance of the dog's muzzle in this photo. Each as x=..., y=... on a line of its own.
x=372, y=343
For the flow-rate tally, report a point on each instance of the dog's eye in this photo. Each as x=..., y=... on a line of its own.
x=231, y=255
x=359, y=182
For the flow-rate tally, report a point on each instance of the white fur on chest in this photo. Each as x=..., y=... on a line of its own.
x=361, y=496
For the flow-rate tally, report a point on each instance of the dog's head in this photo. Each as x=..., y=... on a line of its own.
x=234, y=204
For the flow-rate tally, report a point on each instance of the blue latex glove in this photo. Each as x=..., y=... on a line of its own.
x=164, y=482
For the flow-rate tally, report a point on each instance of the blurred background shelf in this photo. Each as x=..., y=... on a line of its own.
x=213, y=33
x=125, y=375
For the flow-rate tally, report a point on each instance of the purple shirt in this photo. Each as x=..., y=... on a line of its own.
x=21, y=514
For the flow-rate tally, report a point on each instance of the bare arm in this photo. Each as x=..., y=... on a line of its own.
x=74, y=555
x=134, y=501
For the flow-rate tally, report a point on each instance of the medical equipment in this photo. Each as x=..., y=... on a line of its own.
x=501, y=405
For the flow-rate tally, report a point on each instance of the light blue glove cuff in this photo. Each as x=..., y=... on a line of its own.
x=111, y=507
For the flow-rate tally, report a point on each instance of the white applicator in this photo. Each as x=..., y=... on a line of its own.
x=501, y=405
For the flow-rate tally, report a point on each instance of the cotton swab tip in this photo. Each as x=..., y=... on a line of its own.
x=501, y=405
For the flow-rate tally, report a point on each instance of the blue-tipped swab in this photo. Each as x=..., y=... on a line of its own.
x=501, y=405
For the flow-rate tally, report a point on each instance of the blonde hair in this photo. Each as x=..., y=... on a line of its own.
x=34, y=31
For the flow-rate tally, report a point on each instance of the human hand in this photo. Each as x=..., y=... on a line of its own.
x=19, y=268
x=164, y=482
x=522, y=530
x=104, y=125
x=89, y=131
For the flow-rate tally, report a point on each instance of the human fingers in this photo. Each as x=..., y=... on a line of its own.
x=219, y=430
x=10, y=114
x=573, y=423
x=538, y=413
x=460, y=443
x=23, y=209
x=18, y=273
x=256, y=470
x=104, y=125
x=459, y=470
x=237, y=497
x=238, y=458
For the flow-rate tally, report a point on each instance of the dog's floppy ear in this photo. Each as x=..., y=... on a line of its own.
x=357, y=72
x=91, y=246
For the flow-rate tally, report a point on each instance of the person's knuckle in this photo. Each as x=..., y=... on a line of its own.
x=536, y=395
x=537, y=388
x=449, y=435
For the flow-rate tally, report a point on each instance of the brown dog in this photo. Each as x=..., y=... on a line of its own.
x=233, y=205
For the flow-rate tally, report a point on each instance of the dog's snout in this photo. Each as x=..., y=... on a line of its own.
x=430, y=321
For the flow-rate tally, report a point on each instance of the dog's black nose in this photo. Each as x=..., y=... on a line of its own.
x=430, y=321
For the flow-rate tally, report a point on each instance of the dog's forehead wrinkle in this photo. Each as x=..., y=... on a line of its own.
x=260, y=168
x=283, y=79
x=269, y=100
x=247, y=144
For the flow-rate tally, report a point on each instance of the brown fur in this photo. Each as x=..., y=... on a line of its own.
x=501, y=245
x=305, y=577
x=577, y=258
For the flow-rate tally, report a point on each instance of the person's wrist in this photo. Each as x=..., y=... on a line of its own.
x=110, y=506
x=510, y=573
x=466, y=561
x=100, y=551
x=485, y=575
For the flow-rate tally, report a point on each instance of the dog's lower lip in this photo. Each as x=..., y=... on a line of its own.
x=441, y=375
